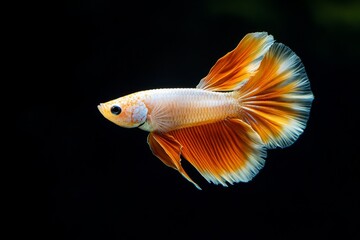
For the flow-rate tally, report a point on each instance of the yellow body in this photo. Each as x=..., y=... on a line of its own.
x=170, y=109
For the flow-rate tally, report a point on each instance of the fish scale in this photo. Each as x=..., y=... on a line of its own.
x=185, y=107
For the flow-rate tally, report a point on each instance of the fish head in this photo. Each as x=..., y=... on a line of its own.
x=128, y=111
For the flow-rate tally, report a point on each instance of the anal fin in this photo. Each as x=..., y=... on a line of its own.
x=223, y=152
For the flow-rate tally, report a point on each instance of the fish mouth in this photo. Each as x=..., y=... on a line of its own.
x=101, y=108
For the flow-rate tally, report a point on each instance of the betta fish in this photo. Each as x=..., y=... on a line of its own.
x=256, y=97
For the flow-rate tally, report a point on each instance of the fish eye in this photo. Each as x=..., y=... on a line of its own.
x=116, y=110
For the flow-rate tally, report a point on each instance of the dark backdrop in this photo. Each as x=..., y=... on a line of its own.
x=87, y=178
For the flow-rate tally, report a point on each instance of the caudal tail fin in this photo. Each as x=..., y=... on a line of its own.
x=276, y=101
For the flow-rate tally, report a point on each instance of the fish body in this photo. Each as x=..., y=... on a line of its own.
x=256, y=97
x=170, y=109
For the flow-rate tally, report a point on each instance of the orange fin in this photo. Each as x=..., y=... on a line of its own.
x=224, y=152
x=168, y=150
x=237, y=66
x=277, y=100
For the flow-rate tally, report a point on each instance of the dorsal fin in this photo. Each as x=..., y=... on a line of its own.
x=237, y=66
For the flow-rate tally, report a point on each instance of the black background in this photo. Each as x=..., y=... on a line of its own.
x=87, y=178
